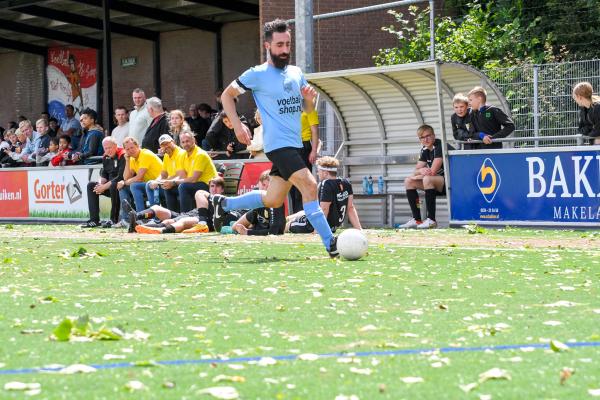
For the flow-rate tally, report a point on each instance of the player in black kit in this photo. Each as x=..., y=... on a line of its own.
x=335, y=198
x=262, y=221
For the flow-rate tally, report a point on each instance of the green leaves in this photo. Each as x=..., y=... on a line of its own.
x=62, y=332
x=82, y=330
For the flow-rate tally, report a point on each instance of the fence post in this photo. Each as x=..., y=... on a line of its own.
x=536, y=106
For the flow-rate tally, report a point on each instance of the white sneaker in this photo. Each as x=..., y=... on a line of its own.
x=413, y=223
x=120, y=225
x=428, y=224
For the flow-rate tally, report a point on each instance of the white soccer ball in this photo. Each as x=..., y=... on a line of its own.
x=352, y=244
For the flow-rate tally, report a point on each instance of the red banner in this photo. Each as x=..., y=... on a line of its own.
x=14, y=194
x=250, y=174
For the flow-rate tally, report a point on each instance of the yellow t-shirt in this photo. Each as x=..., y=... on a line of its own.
x=199, y=160
x=173, y=163
x=307, y=121
x=148, y=160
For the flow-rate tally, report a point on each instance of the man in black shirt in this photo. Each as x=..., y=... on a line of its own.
x=462, y=128
x=335, y=198
x=113, y=166
x=489, y=122
x=428, y=176
x=262, y=221
x=158, y=126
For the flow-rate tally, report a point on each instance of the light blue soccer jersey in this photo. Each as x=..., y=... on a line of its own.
x=279, y=99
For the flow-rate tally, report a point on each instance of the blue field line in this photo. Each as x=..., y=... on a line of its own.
x=293, y=357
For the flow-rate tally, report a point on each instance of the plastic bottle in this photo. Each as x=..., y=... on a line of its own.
x=380, y=185
x=365, y=185
x=370, y=185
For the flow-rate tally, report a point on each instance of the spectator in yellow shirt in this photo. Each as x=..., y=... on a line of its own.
x=198, y=170
x=141, y=166
x=165, y=186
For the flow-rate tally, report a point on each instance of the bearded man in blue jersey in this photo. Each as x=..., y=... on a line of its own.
x=280, y=92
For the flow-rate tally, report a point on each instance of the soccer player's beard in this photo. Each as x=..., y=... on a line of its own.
x=279, y=61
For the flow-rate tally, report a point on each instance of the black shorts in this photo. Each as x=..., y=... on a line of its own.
x=193, y=213
x=286, y=161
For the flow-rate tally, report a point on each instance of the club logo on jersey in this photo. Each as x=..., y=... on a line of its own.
x=488, y=180
x=288, y=86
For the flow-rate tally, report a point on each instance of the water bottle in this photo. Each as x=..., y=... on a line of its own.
x=380, y=185
x=370, y=185
x=365, y=185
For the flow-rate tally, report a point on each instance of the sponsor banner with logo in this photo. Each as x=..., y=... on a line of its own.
x=544, y=187
x=71, y=80
x=14, y=194
x=58, y=193
x=250, y=174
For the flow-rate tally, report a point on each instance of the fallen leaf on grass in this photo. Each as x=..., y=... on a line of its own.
x=77, y=369
x=494, y=373
x=266, y=361
x=344, y=397
x=565, y=374
x=361, y=371
x=594, y=392
x=552, y=323
x=228, y=378
x=468, y=387
x=20, y=386
x=557, y=346
x=221, y=392
x=135, y=385
x=412, y=379
x=308, y=357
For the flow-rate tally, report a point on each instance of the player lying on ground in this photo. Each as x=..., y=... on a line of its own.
x=336, y=199
x=262, y=221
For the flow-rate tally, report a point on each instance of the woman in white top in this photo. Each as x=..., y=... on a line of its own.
x=256, y=144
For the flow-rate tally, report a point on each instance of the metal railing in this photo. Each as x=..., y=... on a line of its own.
x=540, y=99
x=576, y=139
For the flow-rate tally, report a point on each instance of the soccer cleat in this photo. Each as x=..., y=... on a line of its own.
x=107, y=224
x=199, y=228
x=148, y=230
x=91, y=224
x=333, y=251
x=413, y=223
x=132, y=221
x=428, y=224
x=126, y=206
x=218, y=213
x=120, y=225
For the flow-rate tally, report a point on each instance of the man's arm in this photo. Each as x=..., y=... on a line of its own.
x=138, y=177
x=508, y=126
x=242, y=132
x=325, y=207
x=353, y=214
x=128, y=172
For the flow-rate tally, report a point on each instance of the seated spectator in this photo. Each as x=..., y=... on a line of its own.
x=489, y=122
x=336, y=199
x=40, y=143
x=8, y=146
x=16, y=156
x=262, y=221
x=428, y=176
x=71, y=126
x=91, y=140
x=198, y=220
x=256, y=148
x=172, y=169
x=222, y=140
x=27, y=137
x=177, y=124
x=589, y=111
x=43, y=160
x=198, y=170
x=194, y=121
x=462, y=128
x=45, y=115
x=158, y=127
x=113, y=167
x=205, y=113
x=52, y=127
x=64, y=155
x=121, y=131
x=141, y=166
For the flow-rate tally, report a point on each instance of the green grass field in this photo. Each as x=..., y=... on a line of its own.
x=220, y=303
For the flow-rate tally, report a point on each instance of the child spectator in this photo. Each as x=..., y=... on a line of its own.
x=589, y=111
x=43, y=160
x=177, y=124
x=429, y=176
x=489, y=122
x=91, y=141
x=63, y=156
x=221, y=138
x=462, y=128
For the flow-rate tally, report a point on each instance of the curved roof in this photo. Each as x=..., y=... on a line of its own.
x=380, y=108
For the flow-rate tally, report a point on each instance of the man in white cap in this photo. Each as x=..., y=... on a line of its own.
x=169, y=176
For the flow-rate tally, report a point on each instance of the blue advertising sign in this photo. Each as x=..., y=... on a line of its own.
x=540, y=187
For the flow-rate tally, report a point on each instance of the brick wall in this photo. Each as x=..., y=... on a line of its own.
x=341, y=42
x=21, y=80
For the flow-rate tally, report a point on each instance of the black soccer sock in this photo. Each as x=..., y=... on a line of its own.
x=148, y=213
x=430, y=195
x=168, y=229
x=413, y=198
x=203, y=214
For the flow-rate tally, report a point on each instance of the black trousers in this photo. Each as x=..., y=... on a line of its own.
x=295, y=194
x=94, y=202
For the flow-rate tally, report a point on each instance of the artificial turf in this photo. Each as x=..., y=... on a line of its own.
x=217, y=305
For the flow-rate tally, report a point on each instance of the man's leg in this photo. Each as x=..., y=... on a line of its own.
x=115, y=203
x=93, y=202
x=412, y=195
x=138, y=190
x=152, y=194
x=125, y=195
x=432, y=185
x=187, y=192
x=306, y=183
x=172, y=199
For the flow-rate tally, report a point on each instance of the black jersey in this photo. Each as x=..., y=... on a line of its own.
x=429, y=155
x=266, y=221
x=335, y=191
